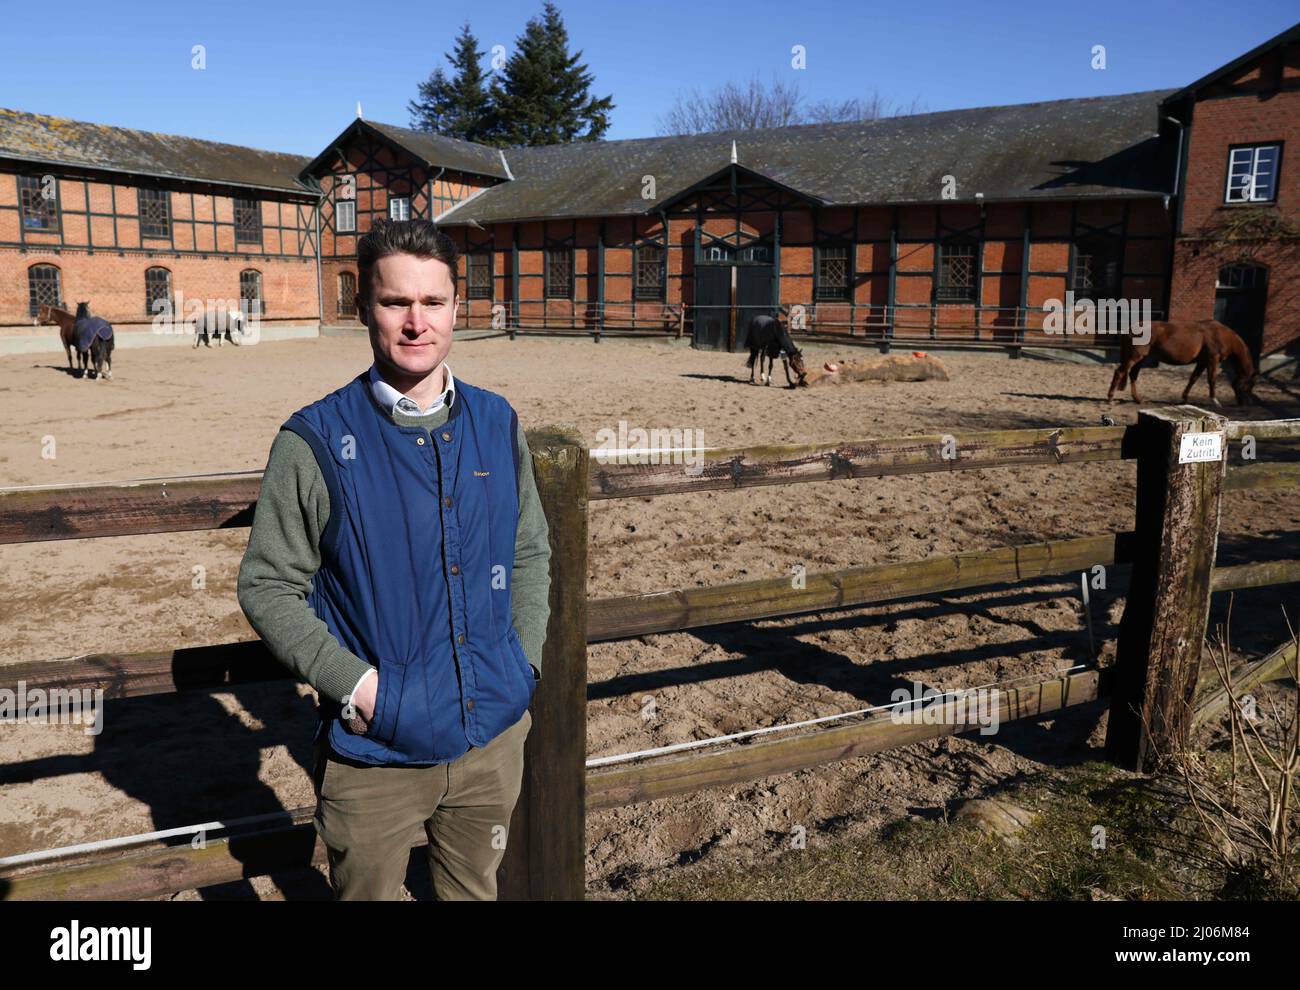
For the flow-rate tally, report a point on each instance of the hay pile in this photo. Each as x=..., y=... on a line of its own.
x=915, y=367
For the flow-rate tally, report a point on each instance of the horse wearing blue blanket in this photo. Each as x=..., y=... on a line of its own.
x=94, y=334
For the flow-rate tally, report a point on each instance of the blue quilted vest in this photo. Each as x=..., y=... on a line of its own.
x=416, y=563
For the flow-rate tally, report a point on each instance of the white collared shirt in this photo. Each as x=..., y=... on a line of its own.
x=390, y=399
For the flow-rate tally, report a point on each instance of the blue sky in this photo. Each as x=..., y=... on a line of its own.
x=287, y=76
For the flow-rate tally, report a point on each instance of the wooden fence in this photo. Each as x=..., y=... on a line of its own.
x=1154, y=688
x=1011, y=328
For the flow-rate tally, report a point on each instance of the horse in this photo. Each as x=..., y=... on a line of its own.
x=221, y=322
x=95, y=334
x=67, y=324
x=1207, y=342
x=768, y=338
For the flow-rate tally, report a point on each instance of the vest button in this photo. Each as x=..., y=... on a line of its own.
x=469, y=705
x=420, y=441
x=460, y=638
x=447, y=501
x=446, y=436
x=455, y=569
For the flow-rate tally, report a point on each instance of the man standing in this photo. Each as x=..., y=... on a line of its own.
x=399, y=564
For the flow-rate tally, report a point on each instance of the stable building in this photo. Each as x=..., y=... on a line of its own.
x=959, y=226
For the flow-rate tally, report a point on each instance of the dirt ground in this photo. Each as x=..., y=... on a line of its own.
x=180, y=760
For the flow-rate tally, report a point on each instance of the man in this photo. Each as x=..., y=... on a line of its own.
x=399, y=564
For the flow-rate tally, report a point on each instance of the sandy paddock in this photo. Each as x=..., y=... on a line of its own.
x=175, y=761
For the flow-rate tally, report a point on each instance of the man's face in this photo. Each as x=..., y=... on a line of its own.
x=411, y=312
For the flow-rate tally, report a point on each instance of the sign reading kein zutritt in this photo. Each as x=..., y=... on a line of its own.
x=1197, y=448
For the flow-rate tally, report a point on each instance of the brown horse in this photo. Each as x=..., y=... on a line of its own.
x=67, y=324
x=1206, y=342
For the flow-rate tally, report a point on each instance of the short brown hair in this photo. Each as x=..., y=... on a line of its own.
x=421, y=238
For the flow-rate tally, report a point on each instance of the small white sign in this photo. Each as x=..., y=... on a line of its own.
x=1198, y=448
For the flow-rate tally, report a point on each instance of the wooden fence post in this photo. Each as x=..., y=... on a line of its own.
x=1158, y=656
x=546, y=854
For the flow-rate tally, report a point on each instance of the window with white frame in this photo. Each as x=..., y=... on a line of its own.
x=345, y=216
x=399, y=208
x=1252, y=173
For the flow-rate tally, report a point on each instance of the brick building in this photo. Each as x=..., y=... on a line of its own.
x=959, y=225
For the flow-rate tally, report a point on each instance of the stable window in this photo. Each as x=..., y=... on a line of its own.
x=649, y=271
x=154, y=208
x=157, y=292
x=399, y=208
x=43, y=288
x=1096, y=269
x=40, y=203
x=559, y=273
x=347, y=294
x=1252, y=173
x=956, y=272
x=833, y=272
x=248, y=221
x=478, y=267
x=345, y=216
x=250, y=293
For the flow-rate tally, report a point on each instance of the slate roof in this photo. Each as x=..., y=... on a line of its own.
x=1103, y=146
x=39, y=138
x=436, y=150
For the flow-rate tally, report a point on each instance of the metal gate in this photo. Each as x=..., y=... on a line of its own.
x=712, y=310
x=727, y=297
x=753, y=298
x=1240, y=298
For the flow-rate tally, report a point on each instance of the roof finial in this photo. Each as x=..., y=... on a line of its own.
x=733, y=152
x=358, y=109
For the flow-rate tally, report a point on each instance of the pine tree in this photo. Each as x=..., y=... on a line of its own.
x=457, y=107
x=544, y=94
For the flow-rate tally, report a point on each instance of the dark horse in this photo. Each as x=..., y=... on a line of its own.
x=1207, y=342
x=95, y=334
x=768, y=338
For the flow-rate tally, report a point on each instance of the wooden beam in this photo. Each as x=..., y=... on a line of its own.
x=669, y=611
x=744, y=467
x=127, y=508
x=1268, y=429
x=546, y=856
x=135, y=675
x=1214, y=698
x=735, y=764
x=1259, y=575
x=1158, y=656
x=1263, y=476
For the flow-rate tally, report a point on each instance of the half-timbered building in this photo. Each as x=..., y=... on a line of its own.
x=962, y=225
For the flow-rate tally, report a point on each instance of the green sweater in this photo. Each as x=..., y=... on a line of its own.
x=284, y=553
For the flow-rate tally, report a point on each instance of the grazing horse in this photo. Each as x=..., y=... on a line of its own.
x=67, y=324
x=95, y=335
x=768, y=338
x=220, y=322
x=1207, y=342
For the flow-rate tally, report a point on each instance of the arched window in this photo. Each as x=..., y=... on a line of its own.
x=250, y=293
x=44, y=287
x=157, y=292
x=347, y=294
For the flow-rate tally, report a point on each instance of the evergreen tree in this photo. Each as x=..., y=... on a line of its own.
x=544, y=94
x=457, y=107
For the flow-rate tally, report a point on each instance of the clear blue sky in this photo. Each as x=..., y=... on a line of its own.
x=287, y=76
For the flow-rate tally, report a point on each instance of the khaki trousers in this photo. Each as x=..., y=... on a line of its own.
x=367, y=817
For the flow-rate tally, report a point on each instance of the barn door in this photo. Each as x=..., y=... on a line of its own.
x=753, y=297
x=712, y=307
x=1240, y=299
